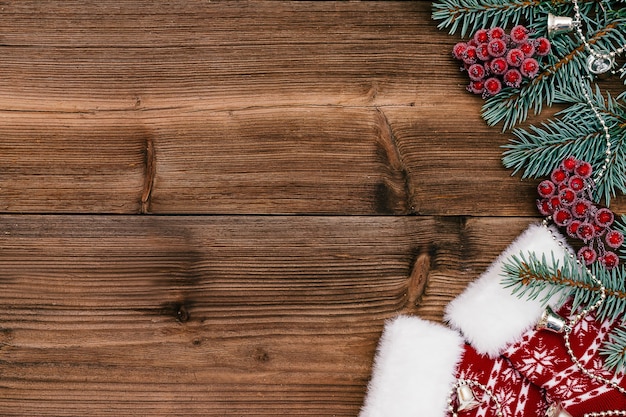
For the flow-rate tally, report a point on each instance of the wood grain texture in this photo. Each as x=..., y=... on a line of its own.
x=219, y=315
x=241, y=107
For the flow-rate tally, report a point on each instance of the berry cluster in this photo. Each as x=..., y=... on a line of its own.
x=567, y=198
x=493, y=57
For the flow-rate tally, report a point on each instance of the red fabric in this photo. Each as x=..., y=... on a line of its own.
x=516, y=395
x=541, y=356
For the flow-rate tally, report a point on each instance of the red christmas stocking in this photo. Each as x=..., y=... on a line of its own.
x=425, y=369
x=582, y=389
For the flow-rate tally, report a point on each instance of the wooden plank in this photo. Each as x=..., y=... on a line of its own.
x=219, y=315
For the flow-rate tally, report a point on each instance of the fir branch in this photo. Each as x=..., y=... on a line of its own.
x=615, y=350
x=577, y=132
x=531, y=277
x=466, y=16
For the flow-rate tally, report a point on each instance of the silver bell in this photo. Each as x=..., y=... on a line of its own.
x=559, y=24
x=555, y=410
x=553, y=322
x=465, y=397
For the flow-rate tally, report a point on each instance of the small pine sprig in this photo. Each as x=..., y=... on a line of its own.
x=529, y=276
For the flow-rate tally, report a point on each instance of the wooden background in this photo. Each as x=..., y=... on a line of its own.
x=211, y=208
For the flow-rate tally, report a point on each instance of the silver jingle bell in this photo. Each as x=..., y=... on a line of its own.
x=553, y=322
x=559, y=24
x=465, y=397
x=555, y=410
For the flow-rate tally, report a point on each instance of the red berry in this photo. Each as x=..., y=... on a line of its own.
x=581, y=208
x=458, y=51
x=614, y=239
x=529, y=68
x=576, y=183
x=544, y=207
x=498, y=66
x=567, y=196
x=585, y=231
x=587, y=255
x=497, y=33
x=492, y=86
x=481, y=36
x=512, y=78
x=604, y=217
x=496, y=47
x=515, y=57
x=610, y=260
x=476, y=72
x=469, y=56
x=476, y=87
x=570, y=163
x=542, y=46
x=555, y=202
x=546, y=188
x=519, y=34
x=572, y=228
x=558, y=176
x=562, y=217
x=599, y=230
x=583, y=169
x=528, y=48
x=482, y=52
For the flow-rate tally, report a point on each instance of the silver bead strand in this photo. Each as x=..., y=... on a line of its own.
x=607, y=134
x=574, y=320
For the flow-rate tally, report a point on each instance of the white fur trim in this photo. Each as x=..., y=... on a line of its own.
x=414, y=369
x=487, y=314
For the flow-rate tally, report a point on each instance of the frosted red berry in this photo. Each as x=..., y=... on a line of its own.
x=583, y=169
x=576, y=183
x=581, y=208
x=513, y=78
x=614, y=238
x=558, y=176
x=585, y=231
x=610, y=260
x=546, y=188
x=562, y=217
x=529, y=68
x=570, y=163
x=458, y=50
x=492, y=86
x=587, y=254
x=567, y=196
x=482, y=52
x=555, y=202
x=528, y=48
x=469, y=56
x=515, y=57
x=544, y=207
x=572, y=228
x=498, y=66
x=496, y=48
x=542, y=46
x=476, y=72
x=476, y=87
x=604, y=217
x=481, y=36
x=497, y=33
x=519, y=34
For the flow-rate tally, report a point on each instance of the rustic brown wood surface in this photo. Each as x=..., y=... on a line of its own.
x=210, y=208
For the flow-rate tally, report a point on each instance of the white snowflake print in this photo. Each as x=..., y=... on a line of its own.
x=538, y=360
